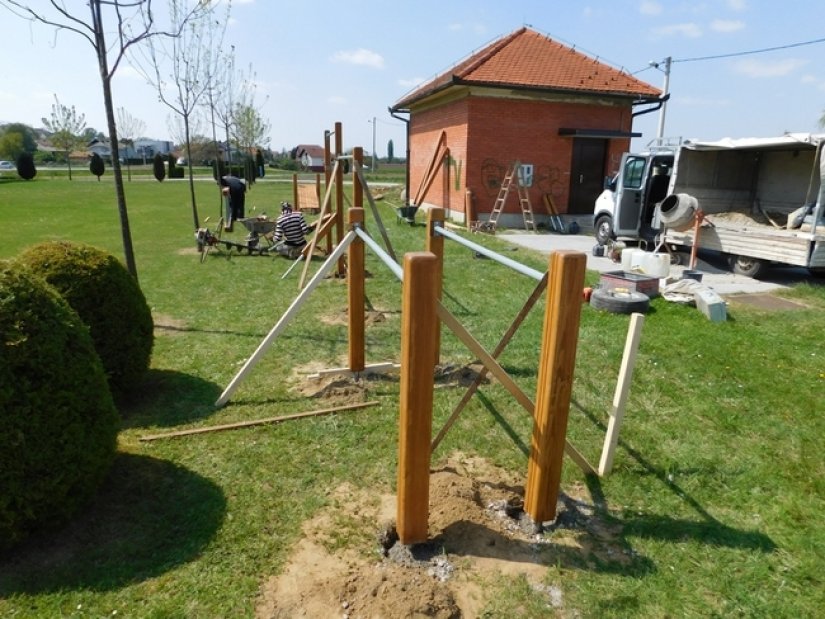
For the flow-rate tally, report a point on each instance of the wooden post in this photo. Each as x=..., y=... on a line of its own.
x=355, y=291
x=295, y=199
x=560, y=334
x=435, y=245
x=611, y=438
x=469, y=210
x=339, y=196
x=418, y=313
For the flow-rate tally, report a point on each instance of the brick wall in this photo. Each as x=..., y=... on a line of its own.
x=486, y=135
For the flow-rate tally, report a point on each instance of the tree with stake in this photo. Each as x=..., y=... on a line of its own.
x=96, y=166
x=134, y=22
x=66, y=126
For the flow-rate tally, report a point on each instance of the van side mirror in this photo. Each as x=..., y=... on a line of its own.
x=610, y=183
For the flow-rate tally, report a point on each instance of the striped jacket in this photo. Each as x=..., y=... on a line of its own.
x=292, y=227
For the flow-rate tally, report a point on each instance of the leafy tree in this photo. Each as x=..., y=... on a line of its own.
x=96, y=166
x=250, y=129
x=390, y=152
x=67, y=127
x=158, y=167
x=134, y=22
x=15, y=139
x=25, y=166
x=129, y=128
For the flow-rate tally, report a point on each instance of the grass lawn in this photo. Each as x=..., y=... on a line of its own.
x=716, y=497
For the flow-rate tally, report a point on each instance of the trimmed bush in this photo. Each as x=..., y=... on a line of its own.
x=108, y=300
x=25, y=166
x=158, y=167
x=97, y=166
x=58, y=425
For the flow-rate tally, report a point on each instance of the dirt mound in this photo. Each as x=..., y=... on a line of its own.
x=348, y=563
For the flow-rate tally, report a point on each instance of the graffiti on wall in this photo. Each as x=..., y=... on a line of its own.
x=456, y=166
x=547, y=178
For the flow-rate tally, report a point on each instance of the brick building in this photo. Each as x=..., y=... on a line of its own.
x=564, y=116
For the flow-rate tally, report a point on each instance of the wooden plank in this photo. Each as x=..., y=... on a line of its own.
x=324, y=207
x=257, y=422
x=631, y=348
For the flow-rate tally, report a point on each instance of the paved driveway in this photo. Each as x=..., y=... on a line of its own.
x=713, y=266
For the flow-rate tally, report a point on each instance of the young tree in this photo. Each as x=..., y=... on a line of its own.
x=96, y=166
x=129, y=128
x=134, y=22
x=67, y=128
x=186, y=56
x=250, y=129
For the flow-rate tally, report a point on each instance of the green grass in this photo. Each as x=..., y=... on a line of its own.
x=716, y=498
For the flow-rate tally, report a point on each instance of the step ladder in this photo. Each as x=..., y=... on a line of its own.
x=501, y=200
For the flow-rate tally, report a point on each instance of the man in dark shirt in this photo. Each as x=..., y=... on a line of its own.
x=235, y=188
x=291, y=228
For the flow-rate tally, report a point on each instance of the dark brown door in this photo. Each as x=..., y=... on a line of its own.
x=586, y=174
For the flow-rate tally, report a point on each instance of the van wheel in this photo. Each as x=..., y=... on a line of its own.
x=604, y=229
x=747, y=266
x=619, y=302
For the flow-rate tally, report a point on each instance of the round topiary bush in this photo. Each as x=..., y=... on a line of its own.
x=58, y=424
x=107, y=298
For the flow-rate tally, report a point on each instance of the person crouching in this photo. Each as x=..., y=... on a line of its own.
x=291, y=228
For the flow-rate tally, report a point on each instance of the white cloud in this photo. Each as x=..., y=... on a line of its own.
x=738, y=5
x=359, y=56
x=689, y=30
x=768, y=68
x=727, y=25
x=650, y=7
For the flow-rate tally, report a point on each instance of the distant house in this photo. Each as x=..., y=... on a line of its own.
x=564, y=116
x=311, y=157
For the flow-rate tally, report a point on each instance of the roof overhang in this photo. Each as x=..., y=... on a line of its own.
x=604, y=134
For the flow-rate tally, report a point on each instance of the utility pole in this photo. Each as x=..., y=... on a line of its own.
x=665, y=89
x=372, y=164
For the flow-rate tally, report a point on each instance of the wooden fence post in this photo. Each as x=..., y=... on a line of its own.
x=560, y=334
x=435, y=245
x=418, y=314
x=355, y=294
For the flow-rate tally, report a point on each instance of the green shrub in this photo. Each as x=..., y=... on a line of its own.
x=108, y=300
x=58, y=425
x=158, y=167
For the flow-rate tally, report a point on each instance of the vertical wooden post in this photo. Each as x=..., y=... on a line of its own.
x=418, y=314
x=560, y=334
x=435, y=245
x=295, y=199
x=355, y=280
x=339, y=197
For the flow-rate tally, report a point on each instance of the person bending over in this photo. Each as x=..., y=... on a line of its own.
x=291, y=228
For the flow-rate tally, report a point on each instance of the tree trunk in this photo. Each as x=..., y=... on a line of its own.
x=191, y=179
x=100, y=48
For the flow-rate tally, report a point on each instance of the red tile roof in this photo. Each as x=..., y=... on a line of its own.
x=529, y=60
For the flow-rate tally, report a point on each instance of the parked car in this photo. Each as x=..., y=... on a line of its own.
x=7, y=165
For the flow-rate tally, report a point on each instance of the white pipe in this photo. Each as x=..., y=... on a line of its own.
x=516, y=266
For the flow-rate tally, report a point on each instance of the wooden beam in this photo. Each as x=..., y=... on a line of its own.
x=631, y=347
x=356, y=298
x=560, y=335
x=257, y=422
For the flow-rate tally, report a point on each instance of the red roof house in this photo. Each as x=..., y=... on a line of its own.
x=564, y=116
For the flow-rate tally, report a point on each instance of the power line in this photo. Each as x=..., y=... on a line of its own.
x=735, y=54
x=755, y=51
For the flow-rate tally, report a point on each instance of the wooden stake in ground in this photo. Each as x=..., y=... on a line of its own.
x=560, y=336
x=418, y=315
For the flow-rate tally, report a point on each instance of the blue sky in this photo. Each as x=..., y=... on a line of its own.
x=321, y=62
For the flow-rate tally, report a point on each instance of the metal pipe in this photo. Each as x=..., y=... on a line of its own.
x=379, y=251
x=516, y=266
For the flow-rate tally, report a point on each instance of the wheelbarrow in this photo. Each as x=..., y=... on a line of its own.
x=407, y=213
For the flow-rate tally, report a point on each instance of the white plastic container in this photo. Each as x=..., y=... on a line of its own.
x=632, y=259
x=657, y=265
